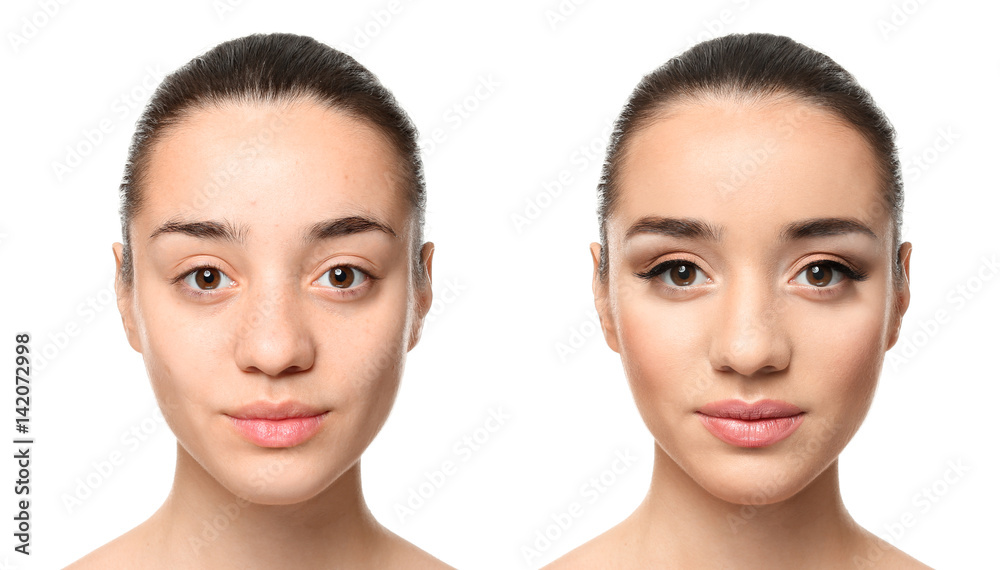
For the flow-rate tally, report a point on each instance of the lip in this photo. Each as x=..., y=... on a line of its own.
x=757, y=424
x=277, y=424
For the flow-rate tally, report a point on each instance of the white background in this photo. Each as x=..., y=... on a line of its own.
x=516, y=293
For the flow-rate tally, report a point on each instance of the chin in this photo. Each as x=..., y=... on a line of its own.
x=765, y=487
x=276, y=477
x=283, y=495
x=752, y=477
x=280, y=484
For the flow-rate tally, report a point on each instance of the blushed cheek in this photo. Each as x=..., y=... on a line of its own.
x=659, y=351
x=845, y=361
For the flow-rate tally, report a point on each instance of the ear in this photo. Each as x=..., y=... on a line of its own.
x=601, y=300
x=126, y=304
x=901, y=294
x=424, y=295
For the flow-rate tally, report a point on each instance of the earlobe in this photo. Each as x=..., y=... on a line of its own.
x=902, y=294
x=123, y=292
x=424, y=295
x=601, y=301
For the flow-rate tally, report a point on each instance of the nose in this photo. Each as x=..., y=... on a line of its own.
x=272, y=334
x=750, y=339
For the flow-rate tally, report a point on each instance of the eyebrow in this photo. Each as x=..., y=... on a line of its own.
x=822, y=227
x=688, y=228
x=227, y=232
x=338, y=227
x=692, y=228
x=209, y=229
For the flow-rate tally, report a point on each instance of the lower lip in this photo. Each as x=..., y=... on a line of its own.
x=288, y=432
x=751, y=433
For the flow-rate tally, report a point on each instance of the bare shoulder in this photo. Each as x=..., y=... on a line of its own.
x=900, y=560
x=126, y=551
x=400, y=553
x=604, y=552
x=880, y=555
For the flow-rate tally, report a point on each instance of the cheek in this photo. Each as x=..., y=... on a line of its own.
x=186, y=362
x=840, y=361
x=368, y=362
x=661, y=346
x=358, y=366
x=190, y=357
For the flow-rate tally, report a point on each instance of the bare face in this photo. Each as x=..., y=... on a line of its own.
x=273, y=299
x=750, y=291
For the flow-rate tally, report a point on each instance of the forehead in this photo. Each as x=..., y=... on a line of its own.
x=267, y=162
x=749, y=165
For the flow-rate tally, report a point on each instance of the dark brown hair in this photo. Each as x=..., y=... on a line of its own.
x=754, y=67
x=271, y=68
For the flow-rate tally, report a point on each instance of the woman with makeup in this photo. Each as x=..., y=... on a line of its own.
x=273, y=276
x=751, y=277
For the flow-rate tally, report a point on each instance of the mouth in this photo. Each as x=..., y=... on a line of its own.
x=277, y=424
x=758, y=424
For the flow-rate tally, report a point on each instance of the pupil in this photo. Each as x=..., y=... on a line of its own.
x=342, y=278
x=818, y=275
x=683, y=275
x=207, y=279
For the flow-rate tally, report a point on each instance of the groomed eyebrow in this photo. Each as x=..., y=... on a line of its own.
x=226, y=231
x=691, y=228
x=822, y=227
x=688, y=228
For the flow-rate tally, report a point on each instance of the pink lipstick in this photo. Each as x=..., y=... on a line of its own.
x=277, y=424
x=759, y=424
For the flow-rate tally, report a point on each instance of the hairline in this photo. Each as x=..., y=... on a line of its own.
x=759, y=98
x=182, y=115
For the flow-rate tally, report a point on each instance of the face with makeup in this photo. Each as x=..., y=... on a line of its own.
x=750, y=291
x=274, y=296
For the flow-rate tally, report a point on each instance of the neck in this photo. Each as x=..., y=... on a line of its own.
x=679, y=522
x=203, y=524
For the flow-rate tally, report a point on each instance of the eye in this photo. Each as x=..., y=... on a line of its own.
x=343, y=277
x=207, y=278
x=826, y=273
x=677, y=273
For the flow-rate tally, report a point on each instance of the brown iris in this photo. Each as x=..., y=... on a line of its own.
x=819, y=275
x=682, y=275
x=341, y=277
x=207, y=278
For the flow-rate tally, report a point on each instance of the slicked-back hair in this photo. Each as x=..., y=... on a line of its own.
x=754, y=68
x=272, y=68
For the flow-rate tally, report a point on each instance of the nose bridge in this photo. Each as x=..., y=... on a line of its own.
x=750, y=336
x=272, y=331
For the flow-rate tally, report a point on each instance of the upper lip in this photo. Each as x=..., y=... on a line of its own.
x=266, y=410
x=759, y=410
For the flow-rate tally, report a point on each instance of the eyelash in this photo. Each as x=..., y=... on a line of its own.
x=849, y=272
x=663, y=267
x=354, y=291
x=196, y=292
x=342, y=292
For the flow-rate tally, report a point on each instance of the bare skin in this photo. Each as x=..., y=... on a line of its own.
x=291, y=282
x=664, y=532
x=261, y=536
x=747, y=319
